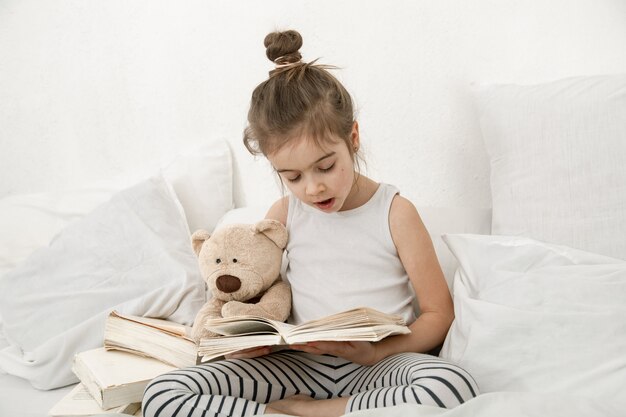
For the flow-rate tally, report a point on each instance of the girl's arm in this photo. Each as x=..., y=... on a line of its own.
x=417, y=254
x=279, y=210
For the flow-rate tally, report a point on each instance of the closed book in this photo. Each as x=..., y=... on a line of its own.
x=116, y=378
x=79, y=403
x=161, y=339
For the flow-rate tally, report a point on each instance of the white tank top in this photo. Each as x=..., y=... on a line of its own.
x=343, y=260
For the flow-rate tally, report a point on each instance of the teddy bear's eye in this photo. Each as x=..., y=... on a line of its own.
x=234, y=260
x=218, y=260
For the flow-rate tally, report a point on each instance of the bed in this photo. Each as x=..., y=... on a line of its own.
x=538, y=280
x=508, y=132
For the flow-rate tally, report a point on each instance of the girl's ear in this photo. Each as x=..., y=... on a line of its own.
x=197, y=240
x=274, y=230
x=354, y=137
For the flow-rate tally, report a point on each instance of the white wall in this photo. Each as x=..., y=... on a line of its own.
x=91, y=89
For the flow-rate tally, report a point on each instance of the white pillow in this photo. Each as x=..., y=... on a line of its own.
x=202, y=180
x=438, y=220
x=532, y=316
x=558, y=161
x=246, y=215
x=442, y=220
x=30, y=221
x=132, y=253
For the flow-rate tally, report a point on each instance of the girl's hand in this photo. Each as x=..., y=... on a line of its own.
x=363, y=353
x=249, y=353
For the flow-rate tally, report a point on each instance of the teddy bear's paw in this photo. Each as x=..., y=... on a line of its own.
x=208, y=333
x=235, y=308
x=197, y=334
x=201, y=333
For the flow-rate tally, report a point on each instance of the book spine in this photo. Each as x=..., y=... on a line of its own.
x=88, y=380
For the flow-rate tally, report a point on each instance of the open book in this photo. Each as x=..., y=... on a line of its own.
x=161, y=339
x=244, y=332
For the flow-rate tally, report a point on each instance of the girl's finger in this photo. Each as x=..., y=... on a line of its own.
x=307, y=349
x=249, y=353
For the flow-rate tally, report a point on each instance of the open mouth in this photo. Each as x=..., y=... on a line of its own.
x=325, y=204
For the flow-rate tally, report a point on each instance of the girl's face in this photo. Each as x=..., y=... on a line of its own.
x=320, y=177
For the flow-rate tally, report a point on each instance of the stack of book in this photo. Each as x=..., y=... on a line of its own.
x=138, y=349
x=114, y=376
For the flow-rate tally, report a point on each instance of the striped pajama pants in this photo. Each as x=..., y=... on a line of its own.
x=242, y=387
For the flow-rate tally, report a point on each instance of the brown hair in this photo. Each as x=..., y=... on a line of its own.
x=297, y=99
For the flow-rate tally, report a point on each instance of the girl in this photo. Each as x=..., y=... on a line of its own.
x=352, y=242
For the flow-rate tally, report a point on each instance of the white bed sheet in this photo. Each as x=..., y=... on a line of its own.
x=505, y=404
x=19, y=399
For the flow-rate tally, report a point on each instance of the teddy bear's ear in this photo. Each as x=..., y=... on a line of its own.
x=197, y=239
x=274, y=230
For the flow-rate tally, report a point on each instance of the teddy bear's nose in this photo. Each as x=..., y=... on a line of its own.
x=227, y=283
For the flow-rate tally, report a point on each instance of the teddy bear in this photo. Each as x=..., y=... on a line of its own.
x=240, y=264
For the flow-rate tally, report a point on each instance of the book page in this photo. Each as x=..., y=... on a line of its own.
x=373, y=333
x=213, y=347
x=350, y=319
x=162, y=324
x=230, y=326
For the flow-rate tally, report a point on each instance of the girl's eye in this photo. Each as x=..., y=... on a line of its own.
x=294, y=179
x=327, y=169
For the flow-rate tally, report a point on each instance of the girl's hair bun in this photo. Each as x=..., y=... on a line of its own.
x=283, y=45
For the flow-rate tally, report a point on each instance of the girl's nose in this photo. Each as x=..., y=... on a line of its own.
x=314, y=188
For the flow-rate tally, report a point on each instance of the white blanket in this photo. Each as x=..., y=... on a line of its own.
x=133, y=254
